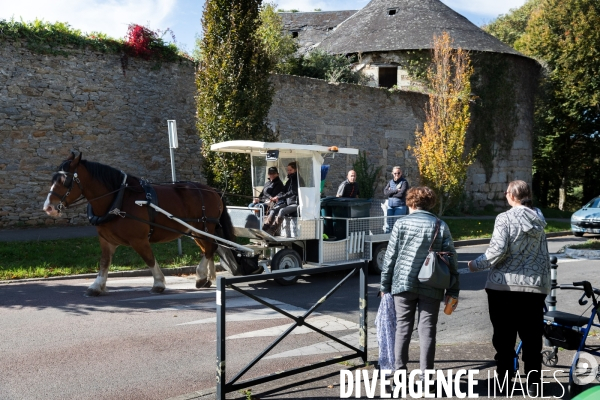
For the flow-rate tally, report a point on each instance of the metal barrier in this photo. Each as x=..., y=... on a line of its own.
x=224, y=387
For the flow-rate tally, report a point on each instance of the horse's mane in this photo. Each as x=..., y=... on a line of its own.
x=107, y=175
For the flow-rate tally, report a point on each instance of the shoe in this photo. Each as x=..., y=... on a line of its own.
x=274, y=229
x=532, y=390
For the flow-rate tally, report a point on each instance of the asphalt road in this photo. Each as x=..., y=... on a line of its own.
x=57, y=344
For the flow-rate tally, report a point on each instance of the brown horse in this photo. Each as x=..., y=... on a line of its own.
x=112, y=194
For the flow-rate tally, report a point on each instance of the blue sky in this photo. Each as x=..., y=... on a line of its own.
x=183, y=16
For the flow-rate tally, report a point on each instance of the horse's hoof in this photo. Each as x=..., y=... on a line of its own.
x=157, y=290
x=203, y=283
x=92, y=293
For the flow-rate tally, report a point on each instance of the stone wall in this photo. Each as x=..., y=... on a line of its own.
x=51, y=105
x=311, y=111
x=514, y=163
x=383, y=123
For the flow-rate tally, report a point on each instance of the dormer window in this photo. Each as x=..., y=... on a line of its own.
x=392, y=11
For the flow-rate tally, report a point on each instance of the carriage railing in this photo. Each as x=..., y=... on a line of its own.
x=223, y=283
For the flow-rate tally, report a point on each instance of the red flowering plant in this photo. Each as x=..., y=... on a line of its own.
x=145, y=43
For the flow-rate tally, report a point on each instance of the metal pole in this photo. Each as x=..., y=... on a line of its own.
x=172, y=151
x=221, y=308
x=173, y=144
x=551, y=298
x=363, y=304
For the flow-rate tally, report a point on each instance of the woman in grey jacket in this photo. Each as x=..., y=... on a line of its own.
x=407, y=249
x=517, y=284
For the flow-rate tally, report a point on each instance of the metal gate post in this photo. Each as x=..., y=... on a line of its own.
x=551, y=298
x=221, y=378
x=363, y=311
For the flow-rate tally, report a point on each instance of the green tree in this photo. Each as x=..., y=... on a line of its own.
x=234, y=92
x=367, y=175
x=319, y=64
x=564, y=36
x=440, y=147
x=278, y=44
x=511, y=26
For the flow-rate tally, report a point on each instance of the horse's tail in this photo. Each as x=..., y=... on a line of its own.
x=226, y=230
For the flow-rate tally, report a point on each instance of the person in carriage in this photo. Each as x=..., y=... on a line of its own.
x=272, y=187
x=286, y=202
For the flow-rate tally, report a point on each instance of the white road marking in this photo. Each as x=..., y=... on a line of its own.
x=252, y=315
x=326, y=323
x=330, y=346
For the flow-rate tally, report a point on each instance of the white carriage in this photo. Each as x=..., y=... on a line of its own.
x=361, y=231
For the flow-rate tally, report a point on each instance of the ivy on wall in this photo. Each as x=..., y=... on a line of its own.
x=494, y=122
x=60, y=39
x=494, y=111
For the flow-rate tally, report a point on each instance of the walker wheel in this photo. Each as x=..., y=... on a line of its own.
x=549, y=358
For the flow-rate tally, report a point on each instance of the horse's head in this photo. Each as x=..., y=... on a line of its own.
x=63, y=190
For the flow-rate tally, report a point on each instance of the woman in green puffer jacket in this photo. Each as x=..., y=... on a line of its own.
x=407, y=249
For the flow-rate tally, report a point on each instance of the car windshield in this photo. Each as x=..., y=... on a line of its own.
x=595, y=203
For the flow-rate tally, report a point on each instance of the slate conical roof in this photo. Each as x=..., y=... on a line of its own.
x=388, y=25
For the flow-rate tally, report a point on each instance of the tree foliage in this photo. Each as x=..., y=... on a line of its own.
x=234, y=92
x=367, y=175
x=334, y=68
x=564, y=35
x=510, y=27
x=278, y=44
x=440, y=147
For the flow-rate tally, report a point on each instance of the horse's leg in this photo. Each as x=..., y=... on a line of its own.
x=205, y=272
x=142, y=247
x=99, y=285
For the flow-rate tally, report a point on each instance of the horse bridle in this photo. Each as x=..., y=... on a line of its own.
x=62, y=204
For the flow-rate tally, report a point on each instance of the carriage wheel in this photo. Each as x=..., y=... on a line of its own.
x=549, y=358
x=377, y=259
x=286, y=259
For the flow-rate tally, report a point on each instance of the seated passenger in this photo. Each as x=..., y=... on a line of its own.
x=349, y=188
x=286, y=202
x=272, y=187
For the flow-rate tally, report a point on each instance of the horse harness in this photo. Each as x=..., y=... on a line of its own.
x=73, y=178
x=114, y=209
x=151, y=198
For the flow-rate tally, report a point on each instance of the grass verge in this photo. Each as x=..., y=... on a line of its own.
x=19, y=260
x=42, y=259
x=589, y=245
x=463, y=229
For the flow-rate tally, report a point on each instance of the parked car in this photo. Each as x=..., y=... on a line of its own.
x=587, y=219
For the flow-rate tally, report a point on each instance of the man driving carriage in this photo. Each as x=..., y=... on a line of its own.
x=273, y=186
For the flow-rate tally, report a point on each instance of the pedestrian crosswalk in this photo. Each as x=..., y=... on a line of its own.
x=244, y=309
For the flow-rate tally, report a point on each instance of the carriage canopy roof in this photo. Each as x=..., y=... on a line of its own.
x=254, y=147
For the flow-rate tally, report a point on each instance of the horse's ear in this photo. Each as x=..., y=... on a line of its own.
x=76, y=160
x=71, y=156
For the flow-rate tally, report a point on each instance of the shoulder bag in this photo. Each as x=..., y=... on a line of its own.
x=435, y=271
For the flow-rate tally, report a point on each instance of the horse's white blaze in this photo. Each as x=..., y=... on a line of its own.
x=159, y=277
x=99, y=284
x=53, y=212
x=201, y=269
